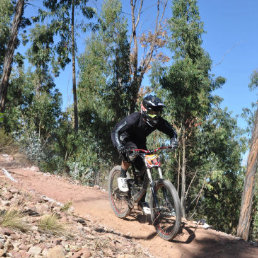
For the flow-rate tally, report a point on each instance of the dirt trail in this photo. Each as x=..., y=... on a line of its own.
x=191, y=242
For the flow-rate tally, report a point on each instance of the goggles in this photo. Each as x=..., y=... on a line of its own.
x=154, y=113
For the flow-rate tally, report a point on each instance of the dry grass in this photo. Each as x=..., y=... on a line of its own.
x=100, y=244
x=66, y=207
x=50, y=224
x=13, y=219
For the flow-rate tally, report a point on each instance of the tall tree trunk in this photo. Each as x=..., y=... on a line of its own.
x=139, y=68
x=38, y=81
x=183, y=182
x=178, y=171
x=134, y=56
x=75, y=108
x=249, y=185
x=9, y=53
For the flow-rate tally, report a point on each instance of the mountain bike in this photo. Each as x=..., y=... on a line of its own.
x=163, y=197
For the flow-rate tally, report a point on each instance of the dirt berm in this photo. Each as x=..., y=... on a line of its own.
x=193, y=240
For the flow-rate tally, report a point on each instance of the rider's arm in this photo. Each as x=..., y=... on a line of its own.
x=124, y=126
x=165, y=127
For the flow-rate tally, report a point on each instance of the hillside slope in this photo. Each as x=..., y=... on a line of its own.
x=92, y=204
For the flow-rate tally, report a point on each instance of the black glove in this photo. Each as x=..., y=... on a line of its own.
x=121, y=149
x=174, y=143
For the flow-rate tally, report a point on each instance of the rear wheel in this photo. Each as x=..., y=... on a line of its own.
x=165, y=210
x=118, y=199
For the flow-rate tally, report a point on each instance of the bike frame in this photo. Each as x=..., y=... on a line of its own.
x=149, y=166
x=164, y=200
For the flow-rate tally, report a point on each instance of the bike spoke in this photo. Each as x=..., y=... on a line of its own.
x=118, y=199
x=164, y=210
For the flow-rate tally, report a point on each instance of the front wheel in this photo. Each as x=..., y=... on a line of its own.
x=165, y=209
x=118, y=200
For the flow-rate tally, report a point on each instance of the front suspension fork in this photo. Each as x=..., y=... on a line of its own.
x=152, y=187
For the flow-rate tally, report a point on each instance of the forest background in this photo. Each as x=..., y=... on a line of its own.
x=112, y=53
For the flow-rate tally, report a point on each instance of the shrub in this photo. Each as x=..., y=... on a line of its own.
x=66, y=206
x=50, y=224
x=7, y=144
x=12, y=219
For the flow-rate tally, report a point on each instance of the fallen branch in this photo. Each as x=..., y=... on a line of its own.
x=8, y=175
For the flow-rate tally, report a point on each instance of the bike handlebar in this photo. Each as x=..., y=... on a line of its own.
x=152, y=151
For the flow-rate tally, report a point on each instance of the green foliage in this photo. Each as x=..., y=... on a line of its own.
x=217, y=158
x=208, y=136
x=254, y=80
x=249, y=113
x=41, y=51
x=221, y=201
x=7, y=144
x=254, y=222
x=251, y=199
x=103, y=89
x=6, y=10
x=188, y=81
x=59, y=28
x=34, y=118
x=187, y=30
x=249, y=116
x=85, y=163
x=31, y=115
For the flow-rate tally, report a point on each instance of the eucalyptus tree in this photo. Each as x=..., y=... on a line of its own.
x=10, y=47
x=188, y=82
x=6, y=9
x=104, y=86
x=248, y=212
x=150, y=42
x=63, y=24
x=41, y=55
x=215, y=192
x=34, y=105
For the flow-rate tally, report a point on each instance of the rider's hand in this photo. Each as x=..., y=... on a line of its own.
x=122, y=149
x=174, y=143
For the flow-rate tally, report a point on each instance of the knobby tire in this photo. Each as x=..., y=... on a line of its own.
x=166, y=212
x=117, y=199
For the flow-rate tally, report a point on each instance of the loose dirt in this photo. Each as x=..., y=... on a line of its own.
x=193, y=240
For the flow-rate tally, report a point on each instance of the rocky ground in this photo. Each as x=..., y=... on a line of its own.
x=79, y=237
x=87, y=224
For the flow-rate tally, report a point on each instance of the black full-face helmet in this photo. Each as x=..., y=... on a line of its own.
x=151, y=109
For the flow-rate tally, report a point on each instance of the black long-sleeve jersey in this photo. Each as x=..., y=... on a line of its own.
x=133, y=128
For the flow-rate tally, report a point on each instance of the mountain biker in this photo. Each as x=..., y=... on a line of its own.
x=131, y=133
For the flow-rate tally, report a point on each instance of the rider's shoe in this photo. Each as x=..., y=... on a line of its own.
x=144, y=206
x=122, y=184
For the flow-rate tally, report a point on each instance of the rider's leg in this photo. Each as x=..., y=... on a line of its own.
x=124, y=167
x=126, y=159
x=140, y=168
x=122, y=180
